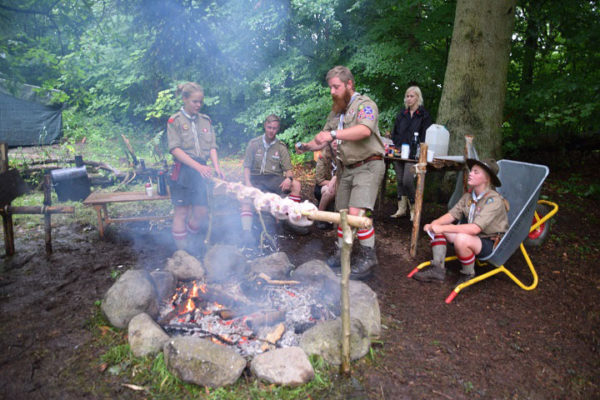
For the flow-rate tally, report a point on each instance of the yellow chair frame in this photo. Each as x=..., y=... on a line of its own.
x=500, y=268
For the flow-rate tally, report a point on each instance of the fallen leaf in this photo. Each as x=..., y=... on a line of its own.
x=102, y=367
x=104, y=329
x=133, y=387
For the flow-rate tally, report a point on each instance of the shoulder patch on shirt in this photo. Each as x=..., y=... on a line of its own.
x=171, y=120
x=490, y=200
x=365, y=112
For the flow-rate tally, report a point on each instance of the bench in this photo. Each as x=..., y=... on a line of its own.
x=100, y=200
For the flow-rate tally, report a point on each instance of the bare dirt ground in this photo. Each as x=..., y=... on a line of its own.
x=495, y=341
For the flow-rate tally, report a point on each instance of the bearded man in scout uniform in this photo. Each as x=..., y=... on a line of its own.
x=268, y=167
x=353, y=123
x=486, y=220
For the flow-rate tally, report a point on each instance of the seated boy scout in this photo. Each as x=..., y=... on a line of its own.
x=486, y=220
x=268, y=167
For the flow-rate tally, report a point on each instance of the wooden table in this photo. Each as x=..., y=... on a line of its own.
x=436, y=165
x=100, y=200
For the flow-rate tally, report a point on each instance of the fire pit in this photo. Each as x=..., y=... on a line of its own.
x=253, y=316
x=215, y=318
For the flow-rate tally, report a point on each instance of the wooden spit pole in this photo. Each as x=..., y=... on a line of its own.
x=333, y=217
x=347, y=238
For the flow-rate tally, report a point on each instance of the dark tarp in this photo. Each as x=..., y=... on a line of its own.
x=26, y=118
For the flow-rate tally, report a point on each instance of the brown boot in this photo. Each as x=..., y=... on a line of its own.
x=366, y=261
x=432, y=273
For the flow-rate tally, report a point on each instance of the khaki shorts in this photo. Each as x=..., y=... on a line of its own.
x=358, y=187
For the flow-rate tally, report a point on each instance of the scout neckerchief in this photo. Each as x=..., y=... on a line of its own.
x=474, y=200
x=193, y=121
x=341, y=122
x=267, y=146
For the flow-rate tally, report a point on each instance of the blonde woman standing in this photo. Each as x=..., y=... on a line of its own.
x=414, y=118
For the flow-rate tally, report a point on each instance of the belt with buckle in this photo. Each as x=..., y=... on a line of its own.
x=366, y=160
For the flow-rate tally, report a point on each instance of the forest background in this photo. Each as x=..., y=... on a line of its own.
x=117, y=64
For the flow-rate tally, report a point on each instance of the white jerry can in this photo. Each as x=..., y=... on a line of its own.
x=437, y=138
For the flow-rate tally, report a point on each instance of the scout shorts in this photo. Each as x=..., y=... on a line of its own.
x=190, y=188
x=358, y=187
x=267, y=183
x=487, y=246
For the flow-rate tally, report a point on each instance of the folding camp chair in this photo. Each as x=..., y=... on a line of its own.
x=521, y=186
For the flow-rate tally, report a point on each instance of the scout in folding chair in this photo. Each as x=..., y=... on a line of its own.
x=521, y=186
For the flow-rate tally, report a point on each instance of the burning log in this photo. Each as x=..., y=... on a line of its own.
x=273, y=336
x=256, y=320
x=270, y=281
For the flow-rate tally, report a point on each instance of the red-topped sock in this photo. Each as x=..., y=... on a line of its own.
x=438, y=249
x=468, y=264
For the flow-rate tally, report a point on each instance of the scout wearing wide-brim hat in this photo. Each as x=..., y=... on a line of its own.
x=490, y=166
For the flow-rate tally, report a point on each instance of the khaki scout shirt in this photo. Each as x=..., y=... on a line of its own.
x=274, y=160
x=361, y=111
x=180, y=133
x=325, y=165
x=490, y=212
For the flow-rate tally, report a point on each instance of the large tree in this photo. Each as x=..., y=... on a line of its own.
x=475, y=81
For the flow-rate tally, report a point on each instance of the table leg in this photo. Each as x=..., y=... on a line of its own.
x=383, y=185
x=418, y=199
x=98, y=209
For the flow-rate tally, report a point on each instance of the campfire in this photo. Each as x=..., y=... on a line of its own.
x=253, y=316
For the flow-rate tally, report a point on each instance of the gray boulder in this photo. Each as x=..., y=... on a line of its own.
x=184, y=266
x=288, y=366
x=365, y=307
x=324, y=339
x=314, y=271
x=131, y=294
x=165, y=283
x=223, y=262
x=145, y=336
x=276, y=265
x=202, y=362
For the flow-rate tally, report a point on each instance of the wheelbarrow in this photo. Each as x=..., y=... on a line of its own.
x=528, y=220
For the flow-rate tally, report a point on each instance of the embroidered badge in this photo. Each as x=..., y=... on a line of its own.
x=170, y=121
x=185, y=127
x=366, y=113
x=490, y=200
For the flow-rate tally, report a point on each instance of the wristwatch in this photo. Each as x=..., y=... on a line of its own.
x=333, y=134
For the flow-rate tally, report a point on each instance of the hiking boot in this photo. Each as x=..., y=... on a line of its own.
x=432, y=273
x=366, y=261
x=335, y=260
x=324, y=226
x=464, y=278
x=298, y=230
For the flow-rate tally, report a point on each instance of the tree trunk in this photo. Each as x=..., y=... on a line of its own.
x=475, y=81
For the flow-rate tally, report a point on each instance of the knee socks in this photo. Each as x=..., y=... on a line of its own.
x=246, y=217
x=468, y=264
x=438, y=248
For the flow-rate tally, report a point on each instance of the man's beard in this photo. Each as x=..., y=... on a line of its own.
x=341, y=103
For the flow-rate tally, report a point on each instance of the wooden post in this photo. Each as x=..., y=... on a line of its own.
x=421, y=171
x=345, y=294
x=3, y=157
x=7, y=222
x=47, y=215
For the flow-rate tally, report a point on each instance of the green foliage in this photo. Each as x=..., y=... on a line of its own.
x=117, y=63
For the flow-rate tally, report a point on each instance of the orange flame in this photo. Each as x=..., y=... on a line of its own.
x=189, y=306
